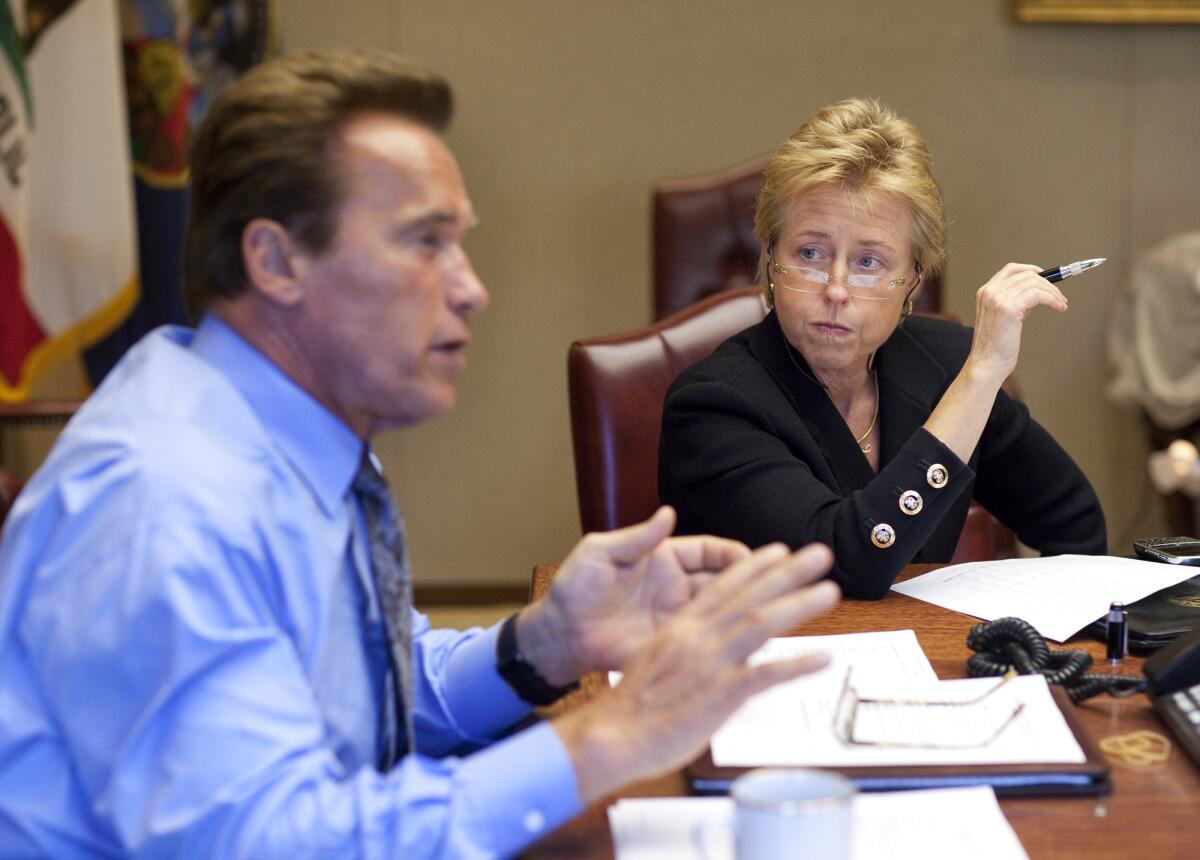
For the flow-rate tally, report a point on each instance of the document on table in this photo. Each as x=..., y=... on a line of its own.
x=887, y=654
x=792, y=725
x=1058, y=595
x=804, y=707
x=938, y=824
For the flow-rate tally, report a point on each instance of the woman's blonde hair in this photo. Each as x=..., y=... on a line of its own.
x=861, y=146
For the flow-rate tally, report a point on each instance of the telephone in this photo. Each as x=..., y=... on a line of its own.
x=1172, y=550
x=1173, y=674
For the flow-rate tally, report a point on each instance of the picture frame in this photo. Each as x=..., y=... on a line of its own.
x=1107, y=11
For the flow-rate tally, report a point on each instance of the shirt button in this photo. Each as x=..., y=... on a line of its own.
x=534, y=821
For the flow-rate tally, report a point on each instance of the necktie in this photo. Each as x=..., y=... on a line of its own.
x=393, y=582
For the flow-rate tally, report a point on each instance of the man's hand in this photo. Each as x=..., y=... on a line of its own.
x=613, y=592
x=692, y=674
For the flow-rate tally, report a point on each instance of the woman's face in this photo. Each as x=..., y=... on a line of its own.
x=836, y=331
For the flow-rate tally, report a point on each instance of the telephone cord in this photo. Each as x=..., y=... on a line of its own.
x=1008, y=644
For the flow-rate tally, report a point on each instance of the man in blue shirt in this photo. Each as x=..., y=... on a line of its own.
x=197, y=654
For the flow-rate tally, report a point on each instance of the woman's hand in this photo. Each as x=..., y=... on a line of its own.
x=1001, y=306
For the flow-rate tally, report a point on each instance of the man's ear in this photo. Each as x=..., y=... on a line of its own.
x=273, y=262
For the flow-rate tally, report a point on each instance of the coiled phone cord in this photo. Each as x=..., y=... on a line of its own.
x=1011, y=643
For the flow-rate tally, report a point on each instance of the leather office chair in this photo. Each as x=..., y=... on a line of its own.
x=34, y=413
x=703, y=238
x=617, y=387
x=10, y=485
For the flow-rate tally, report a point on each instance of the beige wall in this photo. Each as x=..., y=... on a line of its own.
x=1052, y=143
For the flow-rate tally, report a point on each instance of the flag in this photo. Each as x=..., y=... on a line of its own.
x=67, y=241
x=176, y=57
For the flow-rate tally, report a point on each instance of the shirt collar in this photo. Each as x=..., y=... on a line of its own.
x=322, y=450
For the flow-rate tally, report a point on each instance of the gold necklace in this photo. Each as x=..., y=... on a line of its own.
x=866, y=449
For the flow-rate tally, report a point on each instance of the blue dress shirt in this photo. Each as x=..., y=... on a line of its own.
x=192, y=656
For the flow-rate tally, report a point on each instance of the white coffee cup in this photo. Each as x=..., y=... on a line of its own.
x=781, y=814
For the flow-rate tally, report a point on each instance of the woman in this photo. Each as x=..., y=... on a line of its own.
x=842, y=419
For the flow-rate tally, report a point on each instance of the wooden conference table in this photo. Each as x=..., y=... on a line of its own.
x=1153, y=811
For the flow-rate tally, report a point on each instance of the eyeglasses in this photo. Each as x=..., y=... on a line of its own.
x=937, y=723
x=801, y=279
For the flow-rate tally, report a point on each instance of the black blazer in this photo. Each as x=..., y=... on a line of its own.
x=753, y=449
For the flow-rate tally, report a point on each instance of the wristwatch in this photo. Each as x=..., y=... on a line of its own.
x=520, y=675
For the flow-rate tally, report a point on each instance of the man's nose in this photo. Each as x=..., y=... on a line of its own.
x=467, y=294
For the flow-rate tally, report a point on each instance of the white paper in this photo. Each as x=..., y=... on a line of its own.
x=1059, y=595
x=766, y=736
x=939, y=824
x=894, y=654
x=804, y=706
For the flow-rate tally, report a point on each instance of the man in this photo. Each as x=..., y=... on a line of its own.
x=203, y=593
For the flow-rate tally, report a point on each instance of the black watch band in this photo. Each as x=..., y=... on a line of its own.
x=520, y=675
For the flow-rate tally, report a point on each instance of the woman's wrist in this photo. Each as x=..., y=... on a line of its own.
x=982, y=376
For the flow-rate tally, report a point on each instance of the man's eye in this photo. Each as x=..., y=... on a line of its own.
x=432, y=240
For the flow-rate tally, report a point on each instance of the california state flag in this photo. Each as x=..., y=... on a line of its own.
x=68, y=254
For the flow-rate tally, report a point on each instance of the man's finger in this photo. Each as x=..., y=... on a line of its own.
x=698, y=581
x=628, y=545
x=778, y=617
x=697, y=553
x=766, y=675
x=729, y=581
x=742, y=587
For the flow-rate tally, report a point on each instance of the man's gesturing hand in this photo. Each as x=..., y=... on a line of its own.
x=692, y=673
x=613, y=592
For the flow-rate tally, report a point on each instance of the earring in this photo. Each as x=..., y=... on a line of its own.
x=770, y=293
x=906, y=311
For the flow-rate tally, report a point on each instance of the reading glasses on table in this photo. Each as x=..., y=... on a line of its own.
x=849, y=704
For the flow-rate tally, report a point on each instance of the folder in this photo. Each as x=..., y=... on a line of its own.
x=1089, y=777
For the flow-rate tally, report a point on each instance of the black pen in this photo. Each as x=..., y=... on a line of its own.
x=1118, y=632
x=1070, y=270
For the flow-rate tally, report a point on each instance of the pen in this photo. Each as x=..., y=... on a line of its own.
x=1118, y=632
x=1071, y=269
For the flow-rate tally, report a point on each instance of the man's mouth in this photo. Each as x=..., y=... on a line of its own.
x=453, y=352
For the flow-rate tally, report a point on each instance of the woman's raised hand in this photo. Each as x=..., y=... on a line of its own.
x=1001, y=306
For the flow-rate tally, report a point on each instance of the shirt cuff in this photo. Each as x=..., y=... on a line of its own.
x=524, y=787
x=480, y=700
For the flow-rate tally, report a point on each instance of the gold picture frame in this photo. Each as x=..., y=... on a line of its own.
x=1107, y=11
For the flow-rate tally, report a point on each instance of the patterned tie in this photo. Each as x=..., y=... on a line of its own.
x=393, y=581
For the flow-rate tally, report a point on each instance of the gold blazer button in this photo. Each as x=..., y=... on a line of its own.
x=911, y=502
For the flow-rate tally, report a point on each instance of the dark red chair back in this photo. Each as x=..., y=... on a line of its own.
x=703, y=238
x=617, y=386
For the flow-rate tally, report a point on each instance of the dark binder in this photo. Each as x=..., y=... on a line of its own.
x=1162, y=617
x=1089, y=777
